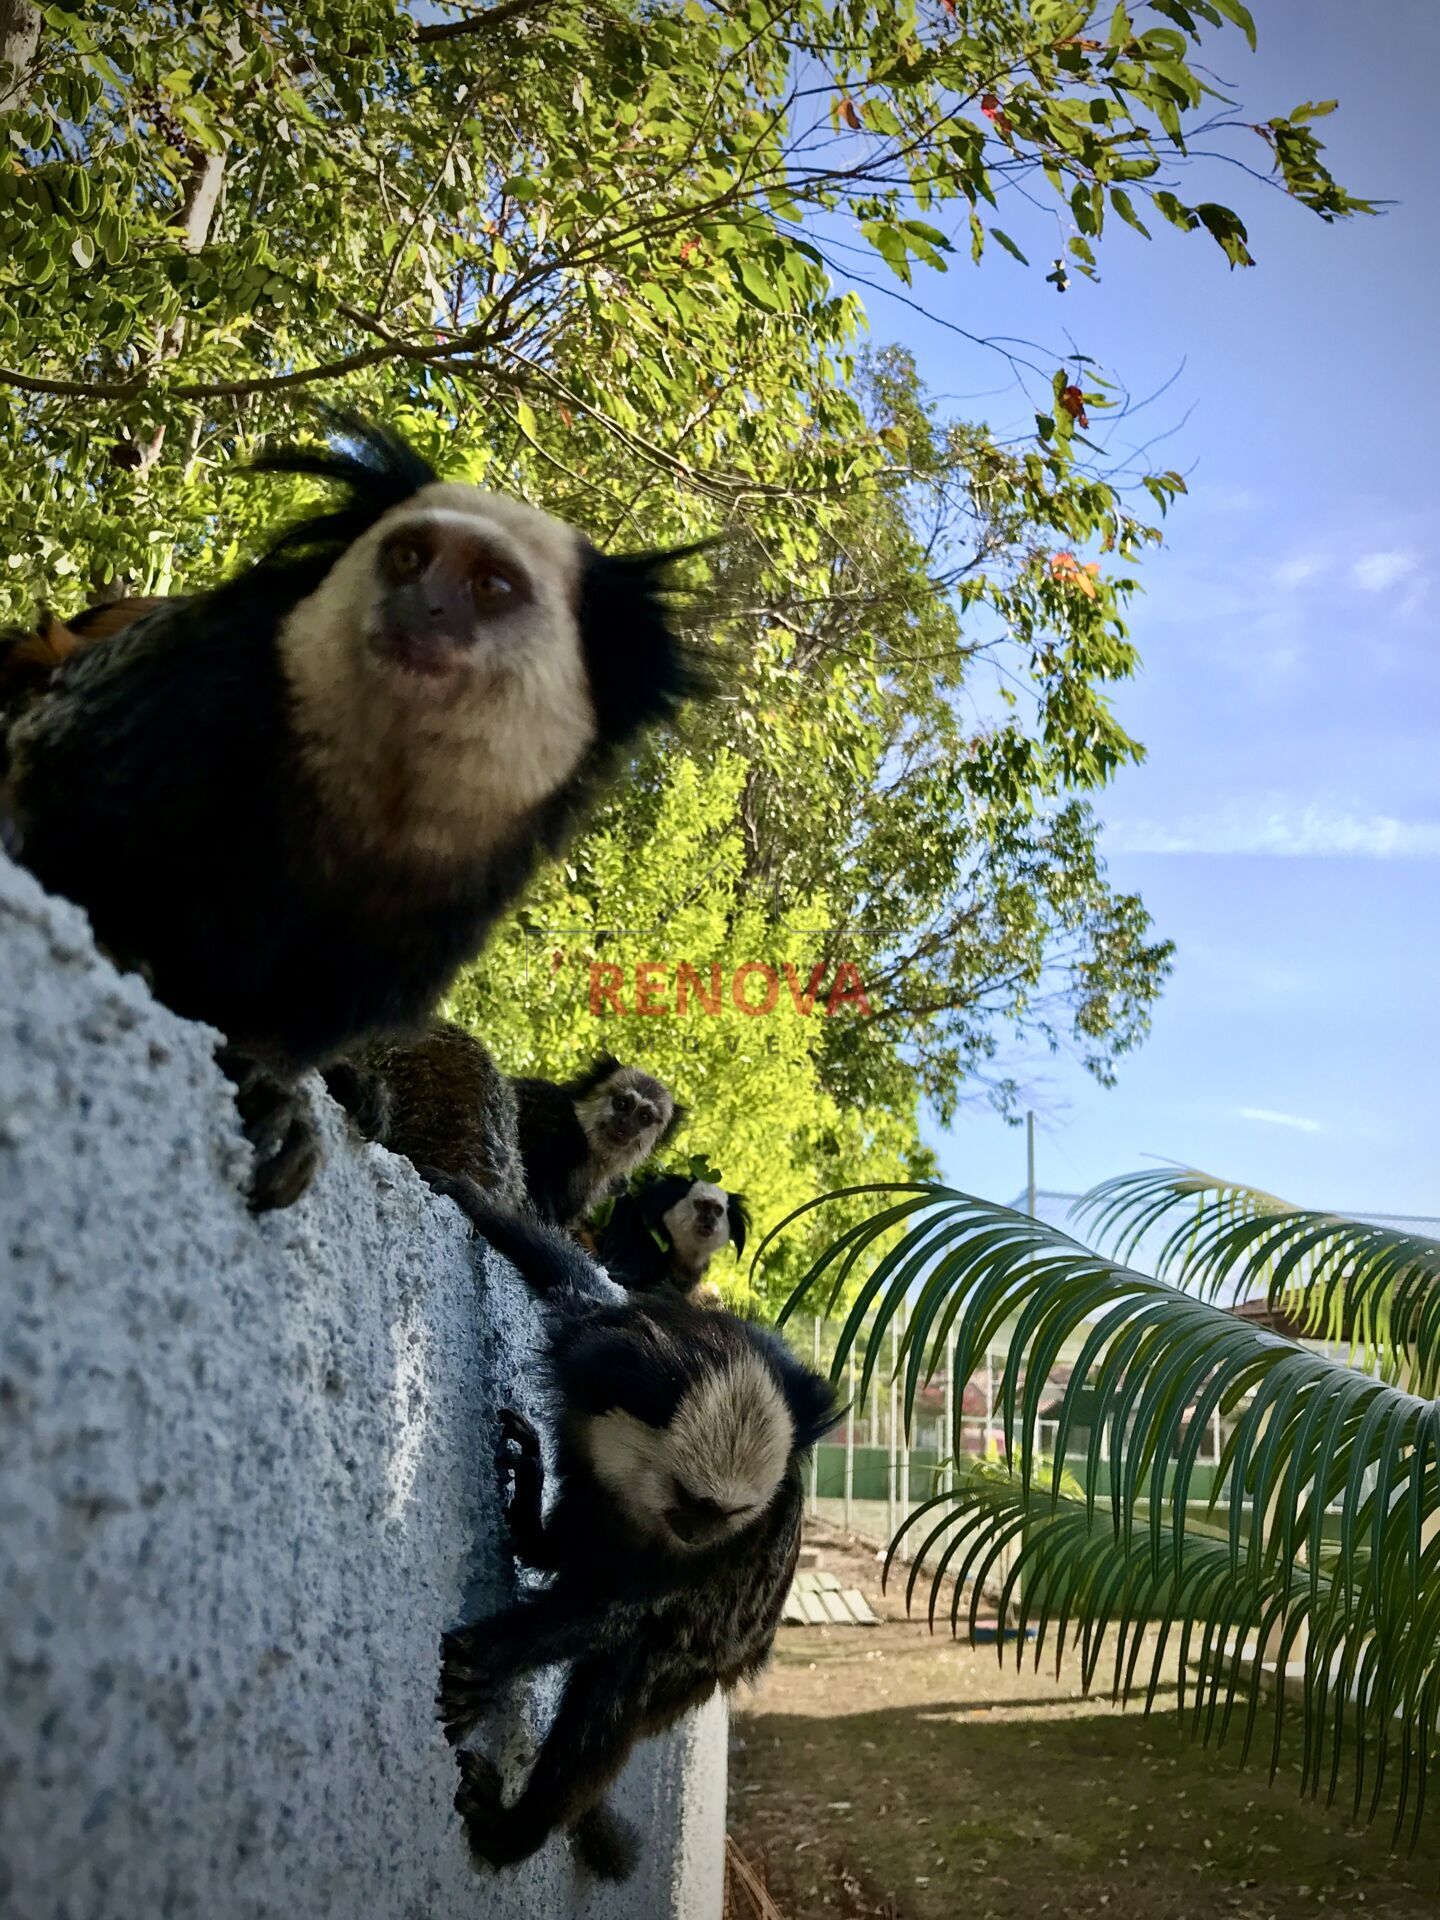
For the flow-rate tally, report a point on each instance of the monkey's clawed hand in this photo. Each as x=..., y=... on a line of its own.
x=477, y=1801
x=278, y=1124
x=468, y=1683
x=518, y=1462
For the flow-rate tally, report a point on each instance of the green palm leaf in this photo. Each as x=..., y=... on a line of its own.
x=1343, y=1280
x=1371, y=1688
x=1329, y=1484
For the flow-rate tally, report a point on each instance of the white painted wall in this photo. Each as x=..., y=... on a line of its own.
x=245, y=1481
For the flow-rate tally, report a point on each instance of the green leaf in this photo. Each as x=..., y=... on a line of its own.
x=1009, y=245
x=756, y=284
x=889, y=242
x=1313, y=110
x=1239, y=16
x=1228, y=230
x=1125, y=207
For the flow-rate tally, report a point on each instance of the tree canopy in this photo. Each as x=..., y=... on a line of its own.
x=605, y=254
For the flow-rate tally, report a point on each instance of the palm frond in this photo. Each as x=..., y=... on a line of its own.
x=1350, y=1282
x=1371, y=1672
x=1329, y=1479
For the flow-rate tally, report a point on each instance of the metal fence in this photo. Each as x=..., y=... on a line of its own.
x=872, y=1473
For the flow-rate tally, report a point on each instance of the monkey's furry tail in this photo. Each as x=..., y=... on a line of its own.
x=608, y=1844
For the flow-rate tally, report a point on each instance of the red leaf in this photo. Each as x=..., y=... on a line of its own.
x=851, y=118
x=1073, y=401
x=567, y=416
x=1065, y=568
x=992, y=110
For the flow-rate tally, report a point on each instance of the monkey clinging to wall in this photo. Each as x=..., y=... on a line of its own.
x=673, y=1536
x=301, y=800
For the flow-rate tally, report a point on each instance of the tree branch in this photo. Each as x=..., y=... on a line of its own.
x=476, y=22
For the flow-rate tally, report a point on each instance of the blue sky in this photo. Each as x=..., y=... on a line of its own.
x=1285, y=829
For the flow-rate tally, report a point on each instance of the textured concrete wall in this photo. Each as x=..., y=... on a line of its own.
x=245, y=1481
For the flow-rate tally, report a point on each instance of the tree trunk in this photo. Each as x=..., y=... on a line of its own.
x=19, y=42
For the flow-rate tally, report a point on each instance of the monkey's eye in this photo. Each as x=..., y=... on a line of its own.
x=646, y=1116
x=404, y=560
x=492, y=590
x=623, y=1102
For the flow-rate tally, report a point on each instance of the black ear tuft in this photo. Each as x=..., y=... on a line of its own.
x=613, y=1365
x=813, y=1402
x=375, y=468
x=679, y=1114
x=739, y=1217
x=659, y=1195
x=640, y=670
x=600, y=1068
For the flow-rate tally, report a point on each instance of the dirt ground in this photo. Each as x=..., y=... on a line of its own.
x=878, y=1771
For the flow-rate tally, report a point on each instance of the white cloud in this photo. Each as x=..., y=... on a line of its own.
x=1375, y=572
x=1284, y=830
x=1295, y=572
x=1272, y=1119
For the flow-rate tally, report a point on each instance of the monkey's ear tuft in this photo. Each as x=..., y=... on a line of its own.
x=375, y=468
x=739, y=1216
x=814, y=1404
x=658, y=1195
x=640, y=670
x=679, y=1114
x=589, y=1078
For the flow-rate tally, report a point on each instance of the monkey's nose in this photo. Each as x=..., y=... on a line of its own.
x=694, y=1520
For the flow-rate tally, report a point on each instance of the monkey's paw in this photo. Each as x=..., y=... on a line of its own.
x=489, y=1826
x=517, y=1448
x=468, y=1686
x=277, y=1122
x=469, y=1197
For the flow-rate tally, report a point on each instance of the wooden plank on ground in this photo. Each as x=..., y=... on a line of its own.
x=859, y=1607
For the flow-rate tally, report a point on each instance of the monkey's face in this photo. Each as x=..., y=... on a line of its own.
x=701, y=1476
x=447, y=596
x=699, y=1224
x=626, y=1115
x=439, y=671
